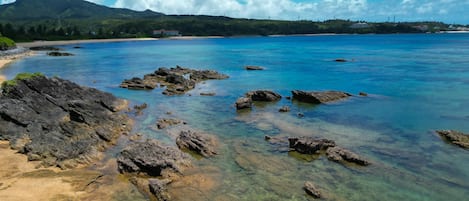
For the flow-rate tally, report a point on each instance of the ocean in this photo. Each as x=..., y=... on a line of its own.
x=417, y=83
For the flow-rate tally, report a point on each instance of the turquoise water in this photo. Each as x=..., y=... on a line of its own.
x=417, y=84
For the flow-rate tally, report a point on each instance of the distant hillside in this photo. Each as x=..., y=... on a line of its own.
x=65, y=9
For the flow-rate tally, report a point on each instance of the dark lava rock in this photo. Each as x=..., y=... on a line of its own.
x=363, y=94
x=164, y=123
x=339, y=154
x=340, y=60
x=284, y=109
x=44, y=48
x=137, y=83
x=177, y=80
x=243, y=103
x=310, y=189
x=159, y=189
x=254, y=68
x=309, y=145
x=319, y=97
x=151, y=158
x=263, y=95
x=59, y=54
x=57, y=121
x=455, y=137
x=202, y=144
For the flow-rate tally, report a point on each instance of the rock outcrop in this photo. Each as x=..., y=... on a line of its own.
x=159, y=189
x=59, y=54
x=254, y=68
x=263, y=95
x=243, y=103
x=309, y=145
x=318, y=97
x=340, y=155
x=164, y=123
x=310, y=189
x=57, y=121
x=455, y=137
x=177, y=80
x=151, y=158
x=202, y=144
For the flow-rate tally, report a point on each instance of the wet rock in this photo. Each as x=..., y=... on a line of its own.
x=300, y=114
x=340, y=60
x=288, y=97
x=159, y=189
x=77, y=47
x=309, y=145
x=362, y=94
x=284, y=109
x=207, y=75
x=202, y=144
x=164, y=123
x=455, y=137
x=263, y=95
x=59, y=54
x=44, y=48
x=339, y=154
x=207, y=94
x=151, y=158
x=310, y=189
x=318, y=97
x=139, y=108
x=254, y=68
x=137, y=83
x=243, y=103
x=64, y=124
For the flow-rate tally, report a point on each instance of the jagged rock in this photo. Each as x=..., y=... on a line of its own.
x=59, y=54
x=202, y=144
x=159, y=189
x=44, y=48
x=151, y=158
x=318, y=97
x=254, y=68
x=64, y=124
x=339, y=154
x=363, y=94
x=243, y=103
x=284, y=109
x=455, y=137
x=263, y=95
x=164, y=123
x=310, y=189
x=177, y=80
x=309, y=145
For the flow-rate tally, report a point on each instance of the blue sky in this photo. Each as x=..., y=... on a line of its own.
x=449, y=11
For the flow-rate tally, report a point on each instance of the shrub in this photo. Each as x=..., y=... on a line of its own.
x=6, y=43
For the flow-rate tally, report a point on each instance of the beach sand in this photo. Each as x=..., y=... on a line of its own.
x=5, y=60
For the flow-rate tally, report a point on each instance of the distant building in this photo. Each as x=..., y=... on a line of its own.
x=162, y=33
x=360, y=25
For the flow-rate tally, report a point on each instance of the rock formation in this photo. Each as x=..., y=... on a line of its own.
x=202, y=144
x=309, y=145
x=263, y=95
x=318, y=97
x=310, y=189
x=59, y=54
x=455, y=137
x=243, y=103
x=177, y=80
x=339, y=154
x=254, y=68
x=164, y=123
x=57, y=121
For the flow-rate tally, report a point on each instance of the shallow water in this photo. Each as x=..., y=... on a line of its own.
x=417, y=84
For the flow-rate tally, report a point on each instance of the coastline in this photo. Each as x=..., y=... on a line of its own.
x=72, y=42
x=9, y=57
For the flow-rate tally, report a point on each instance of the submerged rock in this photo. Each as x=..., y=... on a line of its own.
x=310, y=189
x=57, y=121
x=455, y=137
x=151, y=158
x=254, y=68
x=363, y=94
x=208, y=94
x=164, y=123
x=202, y=144
x=340, y=60
x=309, y=145
x=318, y=97
x=44, y=48
x=59, y=54
x=339, y=154
x=284, y=109
x=137, y=83
x=263, y=95
x=243, y=103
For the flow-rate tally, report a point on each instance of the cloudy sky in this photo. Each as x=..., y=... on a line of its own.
x=449, y=11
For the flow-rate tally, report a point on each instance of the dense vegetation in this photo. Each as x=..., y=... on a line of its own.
x=27, y=20
x=6, y=43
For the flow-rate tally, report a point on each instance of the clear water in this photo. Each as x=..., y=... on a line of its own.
x=417, y=84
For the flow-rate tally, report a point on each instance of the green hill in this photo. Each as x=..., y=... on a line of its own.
x=6, y=43
x=65, y=9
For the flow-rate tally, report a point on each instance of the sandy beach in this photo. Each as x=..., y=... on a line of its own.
x=6, y=59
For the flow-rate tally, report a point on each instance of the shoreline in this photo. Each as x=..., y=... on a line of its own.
x=72, y=42
x=11, y=57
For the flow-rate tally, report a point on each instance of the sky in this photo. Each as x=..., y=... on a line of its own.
x=449, y=11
